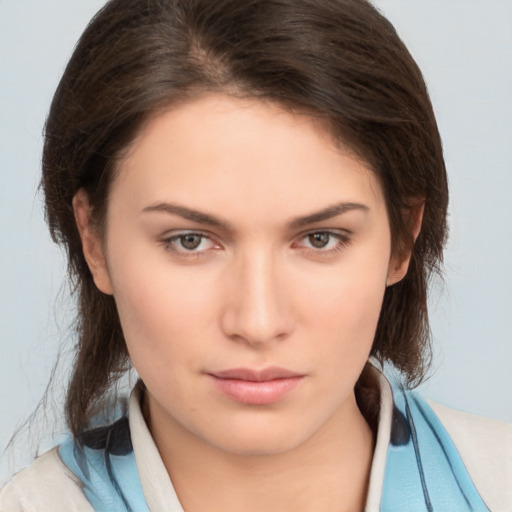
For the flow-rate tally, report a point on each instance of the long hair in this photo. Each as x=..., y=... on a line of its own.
x=340, y=60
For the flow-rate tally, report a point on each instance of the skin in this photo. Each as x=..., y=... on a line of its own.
x=256, y=292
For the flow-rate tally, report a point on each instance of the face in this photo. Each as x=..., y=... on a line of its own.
x=248, y=256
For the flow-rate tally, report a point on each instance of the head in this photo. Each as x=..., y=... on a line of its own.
x=339, y=66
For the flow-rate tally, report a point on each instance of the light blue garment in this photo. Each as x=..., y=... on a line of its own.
x=105, y=464
x=424, y=471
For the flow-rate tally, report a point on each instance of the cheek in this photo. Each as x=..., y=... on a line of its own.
x=343, y=324
x=349, y=314
x=348, y=295
x=164, y=311
x=343, y=307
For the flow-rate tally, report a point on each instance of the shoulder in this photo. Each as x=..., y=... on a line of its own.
x=47, y=484
x=485, y=446
x=441, y=459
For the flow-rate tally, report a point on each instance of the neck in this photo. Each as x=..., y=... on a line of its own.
x=331, y=467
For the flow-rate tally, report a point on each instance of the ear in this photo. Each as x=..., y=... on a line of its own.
x=399, y=263
x=92, y=245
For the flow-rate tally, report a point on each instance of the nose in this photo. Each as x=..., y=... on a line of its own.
x=258, y=304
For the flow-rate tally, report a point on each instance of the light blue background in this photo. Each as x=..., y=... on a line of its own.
x=464, y=48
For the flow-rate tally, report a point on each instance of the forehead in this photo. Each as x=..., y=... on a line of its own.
x=218, y=150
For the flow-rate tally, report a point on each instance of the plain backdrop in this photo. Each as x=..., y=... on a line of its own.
x=464, y=48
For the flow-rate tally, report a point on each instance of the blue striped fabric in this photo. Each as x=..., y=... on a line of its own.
x=424, y=472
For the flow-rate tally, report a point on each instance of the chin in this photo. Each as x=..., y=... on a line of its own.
x=260, y=447
x=260, y=438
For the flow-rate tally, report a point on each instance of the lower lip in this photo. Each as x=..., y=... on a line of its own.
x=256, y=393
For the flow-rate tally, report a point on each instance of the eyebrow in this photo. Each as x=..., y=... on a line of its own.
x=327, y=213
x=189, y=214
x=210, y=220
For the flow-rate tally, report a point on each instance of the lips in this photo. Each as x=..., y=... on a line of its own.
x=266, y=374
x=256, y=387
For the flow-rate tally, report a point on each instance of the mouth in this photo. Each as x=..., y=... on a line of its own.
x=256, y=387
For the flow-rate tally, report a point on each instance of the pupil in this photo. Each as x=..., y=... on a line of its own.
x=191, y=241
x=319, y=240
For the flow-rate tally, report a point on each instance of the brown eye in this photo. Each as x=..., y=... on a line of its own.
x=190, y=241
x=319, y=240
x=189, y=244
x=323, y=243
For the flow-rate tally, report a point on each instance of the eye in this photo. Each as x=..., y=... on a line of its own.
x=324, y=241
x=189, y=242
x=319, y=240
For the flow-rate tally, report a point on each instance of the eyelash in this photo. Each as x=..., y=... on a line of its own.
x=343, y=240
x=184, y=253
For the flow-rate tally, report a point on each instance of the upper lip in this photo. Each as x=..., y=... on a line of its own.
x=270, y=373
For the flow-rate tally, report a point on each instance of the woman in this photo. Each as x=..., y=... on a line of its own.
x=253, y=197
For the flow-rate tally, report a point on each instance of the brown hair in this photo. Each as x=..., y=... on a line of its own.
x=340, y=60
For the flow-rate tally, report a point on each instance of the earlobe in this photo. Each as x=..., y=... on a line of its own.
x=399, y=264
x=92, y=244
x=398, y=270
